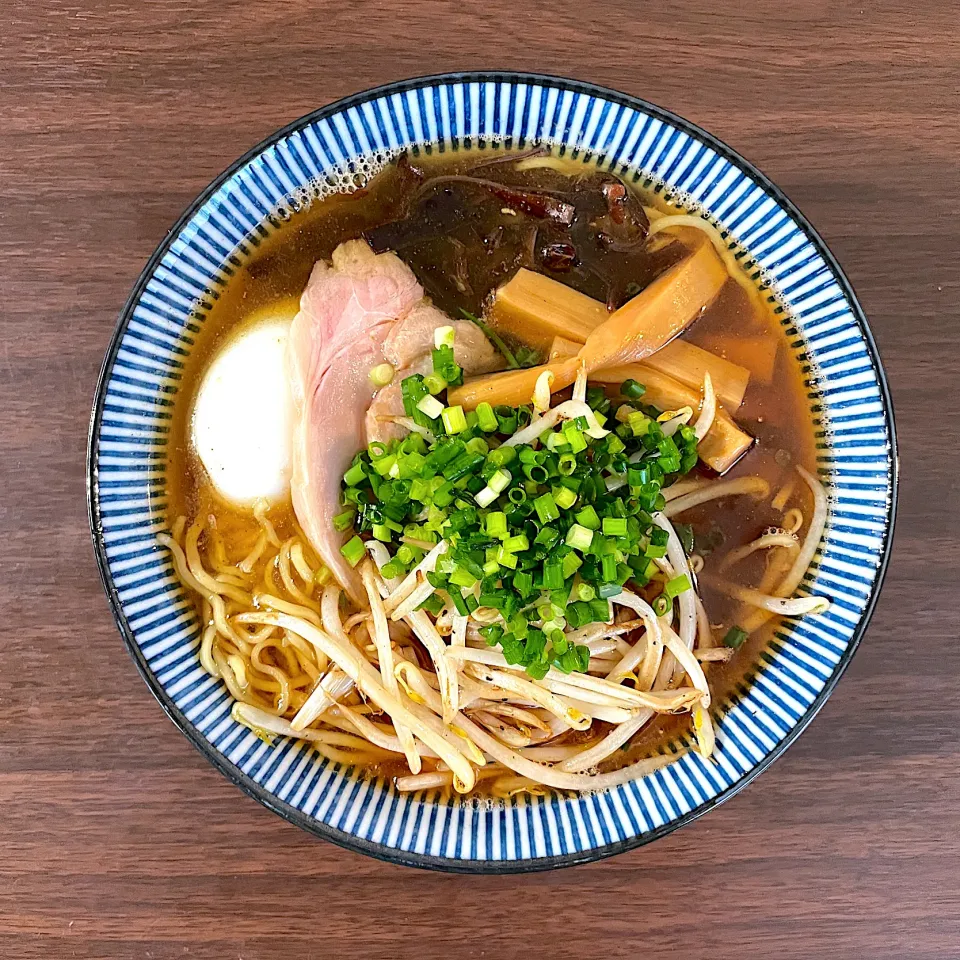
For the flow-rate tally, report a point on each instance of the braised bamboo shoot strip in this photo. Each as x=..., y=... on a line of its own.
x=637, y=330
x=552, y=316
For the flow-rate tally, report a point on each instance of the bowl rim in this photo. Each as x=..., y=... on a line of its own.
x=344, y=838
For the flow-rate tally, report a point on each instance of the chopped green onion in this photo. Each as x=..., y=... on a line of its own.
x=492, y=634
x=353, y=551
x=523, y=583
x=639, y=424
x=589, y=518
x=677, y=585
x=343, y=521
x=444, y=337
x=506, y=419
x=546, y=508
x=496, y=523
x=502, y=456
x=579, y=537
x=659, y=537
x=516, y=544
x=463, y=577
x=570, y=564
x=391, y=570
x=354, y=475
x=614, y=444
x=454, y=420
x=630, y=388
x=564, y=497
x=487, y=419
x=430, y=406
x=434, y=384
x=548, y=536
x=433, y=604
x=382, y=374
x=614, y=526
x=661, y=605
x=735, y=638
x=585, y=592
x=500, y=481
x=552, y=575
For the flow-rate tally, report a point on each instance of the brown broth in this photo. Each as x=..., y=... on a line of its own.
x=777, y=413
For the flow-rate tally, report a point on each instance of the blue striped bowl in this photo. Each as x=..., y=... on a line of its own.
x=165, y=313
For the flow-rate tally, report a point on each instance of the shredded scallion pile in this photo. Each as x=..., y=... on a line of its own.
x=541, y=533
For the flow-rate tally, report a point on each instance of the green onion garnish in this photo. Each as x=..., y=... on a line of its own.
x=353, y=551
x=579, y=537
x=430, y=406
x=487, y=419
x=545, y=533
x=735, y=637
x=677, y=585
x=632, y=389
x=454, y=420
x=382, y=374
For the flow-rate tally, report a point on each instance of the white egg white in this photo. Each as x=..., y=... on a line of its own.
x=242, y=423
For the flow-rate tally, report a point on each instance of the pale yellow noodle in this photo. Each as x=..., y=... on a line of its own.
x=260, y=513
x=243, y=694
x=216, y=551
x=308, y=657
x=783, y=495
x=285, y=575
x=206, y=650
x=278, y=675
x=250, y=560
x=231, y=577
x=793, y=520
x=273, y=602
x=192, y=552
x=307, y=573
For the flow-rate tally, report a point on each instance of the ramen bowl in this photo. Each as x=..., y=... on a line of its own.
x=163, y=319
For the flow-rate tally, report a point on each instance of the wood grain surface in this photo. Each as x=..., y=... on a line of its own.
x=117, y=840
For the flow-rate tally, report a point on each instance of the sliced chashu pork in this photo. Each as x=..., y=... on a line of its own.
x=409, y=348
x=361, y=310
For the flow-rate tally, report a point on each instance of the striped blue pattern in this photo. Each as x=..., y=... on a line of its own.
x=163, y=319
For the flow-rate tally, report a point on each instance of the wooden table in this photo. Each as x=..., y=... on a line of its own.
x=116, y=838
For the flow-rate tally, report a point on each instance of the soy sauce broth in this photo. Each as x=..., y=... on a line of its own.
x=461, y=246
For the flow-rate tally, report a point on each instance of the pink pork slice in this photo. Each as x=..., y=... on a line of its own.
x=409, y=348
x=361, y=310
